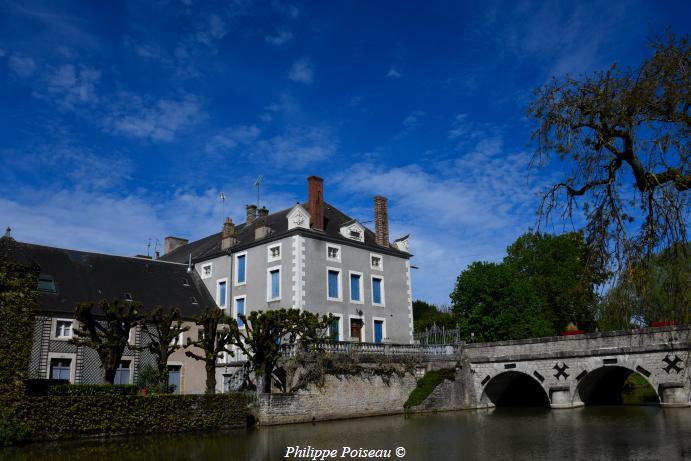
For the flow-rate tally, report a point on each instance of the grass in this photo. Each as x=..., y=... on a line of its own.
x=637, y=391
x=427, y=384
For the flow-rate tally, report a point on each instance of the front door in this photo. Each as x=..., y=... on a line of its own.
x=356, y=330
x=378, y=331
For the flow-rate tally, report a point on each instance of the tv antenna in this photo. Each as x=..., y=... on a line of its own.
x=148, y=247
x=223, y=197
x=258, y=184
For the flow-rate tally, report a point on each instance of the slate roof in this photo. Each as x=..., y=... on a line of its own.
x=90, y=277
x=210, y=247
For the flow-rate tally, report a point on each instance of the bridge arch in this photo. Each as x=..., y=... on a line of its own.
x=514, y=388
x=604, y=386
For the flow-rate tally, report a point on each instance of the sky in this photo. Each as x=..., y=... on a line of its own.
x=122, y=122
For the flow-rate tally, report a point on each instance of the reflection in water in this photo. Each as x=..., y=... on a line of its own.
x=592, y=433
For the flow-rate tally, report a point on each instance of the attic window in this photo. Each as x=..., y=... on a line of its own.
x=185, y=282
x=127, y=296
x=193, y=300
x=355, y=234
x=47, y=283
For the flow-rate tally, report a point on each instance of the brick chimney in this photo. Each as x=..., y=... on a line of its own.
x=381, y=221
x=228, y=238
x=251, y=213
x=263, y=212
x=170, y=243
x=315, y=201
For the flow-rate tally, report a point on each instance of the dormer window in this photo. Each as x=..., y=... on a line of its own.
x=193, y=300
x=353, y=230
x=46, y=283
x=355, y=234
x=185, y=282
x=127, y=296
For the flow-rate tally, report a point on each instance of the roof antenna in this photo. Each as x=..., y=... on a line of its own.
x=222, y=196
x=189, y=264
x=148, y=247
x=156, y=247
x=8, y=232
x=257, y=184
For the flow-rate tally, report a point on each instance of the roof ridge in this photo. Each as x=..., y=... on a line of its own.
x=100, y=254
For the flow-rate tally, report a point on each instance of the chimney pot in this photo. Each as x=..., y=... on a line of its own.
x=263, y=212
x=315, y=201
x=251, y=213
x=381, y=221
x=170, y=243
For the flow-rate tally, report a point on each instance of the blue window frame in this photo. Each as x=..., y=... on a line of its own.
x=333, y=284
x=222, y=294
x=240, y=310
x=241, y=270
x=376, y=291
x=275, y=279
x=355, y=287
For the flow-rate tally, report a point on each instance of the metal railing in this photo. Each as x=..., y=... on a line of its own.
x=438, y=335
x=361, y=348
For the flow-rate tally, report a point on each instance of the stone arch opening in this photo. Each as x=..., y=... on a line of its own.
x=515, y=389
x=605, y=386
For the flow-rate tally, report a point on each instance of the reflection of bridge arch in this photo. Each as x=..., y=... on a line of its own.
x=604, y=386
x=514, y=388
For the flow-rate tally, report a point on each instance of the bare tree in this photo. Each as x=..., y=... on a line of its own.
x=163, y=326
x=624, y=135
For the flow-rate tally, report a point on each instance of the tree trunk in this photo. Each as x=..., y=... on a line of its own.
x=267, y=379
x=211, y=377
x=163, y=376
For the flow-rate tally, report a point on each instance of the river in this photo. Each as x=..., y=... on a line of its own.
x=590, y=433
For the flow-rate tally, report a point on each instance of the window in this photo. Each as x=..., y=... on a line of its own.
x=63, y=329
x=178, y=340
x=240, y=310
x=132, y=336
x=228, y=383
x=207, y=270
x=222, y=293
x=46, y=283
x=241, y=269
x=355, y=287
x=185, y=282
x=335, y=329
x=274, y=252
x=333, y=284
x=355, y=234
x=174, y=378
x=333, y=252
x=123, y=372
x=377, y=291
x=193, y=300
x=273, y=291
x=376, y=262
x=60, y=368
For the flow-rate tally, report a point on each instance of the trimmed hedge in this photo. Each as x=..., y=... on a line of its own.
x=58, y=417
x=93, y=389
x=427, y=384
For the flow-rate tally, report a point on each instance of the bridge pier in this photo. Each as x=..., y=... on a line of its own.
x=673, y=395
x=560, y=398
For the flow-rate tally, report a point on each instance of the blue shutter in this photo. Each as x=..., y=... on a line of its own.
x=376, y=291
x=355, y=287
x=241, y=269
x=275, y=284
x=240, y=310
x=222, y=294
x=333, y=284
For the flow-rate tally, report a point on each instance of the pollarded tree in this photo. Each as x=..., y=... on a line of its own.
x=625, y=137
x=164, y=327
x=264, y=334
x=107, y=331
x=214, y=340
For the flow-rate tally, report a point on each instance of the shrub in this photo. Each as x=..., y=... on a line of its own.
x=427, y=384
x=69, y=416
x=93, y=389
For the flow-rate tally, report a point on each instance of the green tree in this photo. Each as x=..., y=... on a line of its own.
x=614, y=129
x=163, y=326
x=425, y=315
x=562, y=272
x=18, y=305
x=213, y=340
x=106, y=329
x=264, y=334
x=654, y=289
x=493, y=303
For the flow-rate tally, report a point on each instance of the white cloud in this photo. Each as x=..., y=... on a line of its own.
x=70, y=85
x=22, y=66
x=279, y=38
x=393, y=73
x=302, y=71
x=413, y=118
x=154, y=119
x=232, y=137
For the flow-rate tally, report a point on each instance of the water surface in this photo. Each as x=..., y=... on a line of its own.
x=590, y=433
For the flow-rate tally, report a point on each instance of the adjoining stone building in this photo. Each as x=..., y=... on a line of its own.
x=312, y=257
x=68, y=277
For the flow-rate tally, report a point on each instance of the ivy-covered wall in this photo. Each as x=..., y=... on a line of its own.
x=56, y=417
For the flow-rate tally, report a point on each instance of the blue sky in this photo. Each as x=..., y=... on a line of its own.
x=123, y=123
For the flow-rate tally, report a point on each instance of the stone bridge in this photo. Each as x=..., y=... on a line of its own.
x=572, y=371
